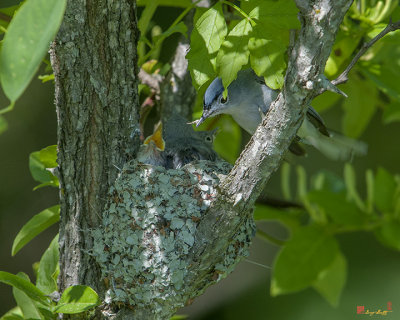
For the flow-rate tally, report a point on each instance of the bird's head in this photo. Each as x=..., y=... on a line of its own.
x=214, y=102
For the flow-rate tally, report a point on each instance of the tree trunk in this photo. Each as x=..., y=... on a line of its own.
x=94, y=62
x=184, y=230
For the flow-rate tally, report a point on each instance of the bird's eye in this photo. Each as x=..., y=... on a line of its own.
x=222, y=100
x=209, y=139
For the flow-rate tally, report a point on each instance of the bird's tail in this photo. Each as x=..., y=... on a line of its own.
x=338, y=147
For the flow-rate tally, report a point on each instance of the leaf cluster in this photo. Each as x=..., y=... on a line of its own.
x=331, y=205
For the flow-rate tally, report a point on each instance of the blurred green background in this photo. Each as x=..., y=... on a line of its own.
x=373, y=270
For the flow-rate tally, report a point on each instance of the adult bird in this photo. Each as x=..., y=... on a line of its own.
x=248, y=96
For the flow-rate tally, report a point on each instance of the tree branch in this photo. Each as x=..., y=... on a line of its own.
x=343, y=77
x=264, y=153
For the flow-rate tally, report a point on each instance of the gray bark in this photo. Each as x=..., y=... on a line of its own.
x=94, y=60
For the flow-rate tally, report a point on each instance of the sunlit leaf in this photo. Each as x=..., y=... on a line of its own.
x=48, y=269
x=342, y=52
x=34, y=226
x=267, y=58
x=207, y=36
x=13, y=314
x=234, y=52
x=48, y=156
x=26, y=42
x=40, y=162
x=26, y=286
x=279, y=14
x=77, y=299
x=27, y=305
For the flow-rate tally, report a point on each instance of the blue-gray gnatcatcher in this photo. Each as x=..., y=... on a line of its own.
x=248, y=95
x=177, y=144
x=184, y=145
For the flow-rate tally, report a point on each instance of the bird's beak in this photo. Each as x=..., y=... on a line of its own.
x=201, y=120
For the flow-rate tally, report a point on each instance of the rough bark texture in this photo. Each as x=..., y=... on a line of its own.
x=94, y=62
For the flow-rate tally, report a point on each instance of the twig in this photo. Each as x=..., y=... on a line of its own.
x=5, y=17
x=343, y=77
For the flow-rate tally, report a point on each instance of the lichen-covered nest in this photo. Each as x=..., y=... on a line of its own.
x=144, y=246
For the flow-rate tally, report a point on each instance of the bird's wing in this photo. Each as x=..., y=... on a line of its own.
x=317, y=121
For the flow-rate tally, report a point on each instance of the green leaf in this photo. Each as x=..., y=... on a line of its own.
x=159, y=38
x=285, y=181
x=370, y=181
x=46, y=77
x=336, y=206
x=385, y=77
x=280, y=14
x=289, y=218
x=34, y=226
x=27, y=305
x=207, y=36
x=48, y=268
x=177, y=317
x=328, y=181
x=350, y=180
x=37, y=168
x=384, y=190
x=330, y=281
x=77, y=299
x=26, y=286
x=359, y=107
x=227, y=141
x=270, y=37
x=342, y=51
x=13, y=314
x=48, y=156
x=391, y=112
x=389, y=234
x=146, y=15
x=26, y=42
x=178, y=28
x=267, y=57
x=39, y=162
x=234, y=52
x=3, y=124
x=310, y=251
